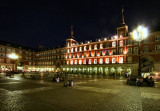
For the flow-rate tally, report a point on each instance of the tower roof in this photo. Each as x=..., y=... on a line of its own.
x=122, y=19
x=72, y=37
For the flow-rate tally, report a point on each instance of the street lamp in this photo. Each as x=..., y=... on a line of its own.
x=140, y=34
x=13, y=56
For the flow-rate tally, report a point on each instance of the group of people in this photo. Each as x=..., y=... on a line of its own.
x=70, y=83
x=10, y=73
x=140, y=81
x=58, y=79
x=147, y=80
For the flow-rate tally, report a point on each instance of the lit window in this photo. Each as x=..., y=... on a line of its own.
x=113, y=44
x=95, y=46
x=121, y=43
x=76, y=49
x=85, y=48
x=80, y=61
x=71, y=49
x=80, y=48
x=90, y=61
x=68, y=50
x=101, y=61
x=107, y=60
x=71, y=62
x=95, y=61
x=120, y=59
x=84, y=61
x=101, y=46
x=113, y=60
x=68, y=62
x=75, y=62
x=90, y=47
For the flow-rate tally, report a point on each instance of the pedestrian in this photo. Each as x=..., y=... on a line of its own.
x=141, y=81
x=23, y=74
x=69, y=83
x=72, y=84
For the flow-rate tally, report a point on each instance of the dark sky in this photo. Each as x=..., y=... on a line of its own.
x=47, y=22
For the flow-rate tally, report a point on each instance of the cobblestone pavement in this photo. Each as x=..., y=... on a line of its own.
x=89, y=94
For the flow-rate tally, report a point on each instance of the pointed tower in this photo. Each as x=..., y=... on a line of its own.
x=72, y=37
x=71, y=41
x=122, y=30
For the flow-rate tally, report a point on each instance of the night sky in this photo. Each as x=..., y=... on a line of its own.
x=47, y=22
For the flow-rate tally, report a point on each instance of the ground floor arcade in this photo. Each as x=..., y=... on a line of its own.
x=108, y=70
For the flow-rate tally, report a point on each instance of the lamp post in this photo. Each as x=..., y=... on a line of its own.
x=139, y=35
x=13, y=56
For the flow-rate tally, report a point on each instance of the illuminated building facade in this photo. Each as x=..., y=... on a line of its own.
x=115, y=55
x=25, y=57
x=118, y=54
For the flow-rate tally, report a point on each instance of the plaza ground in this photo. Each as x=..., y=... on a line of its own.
x=90, y=93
